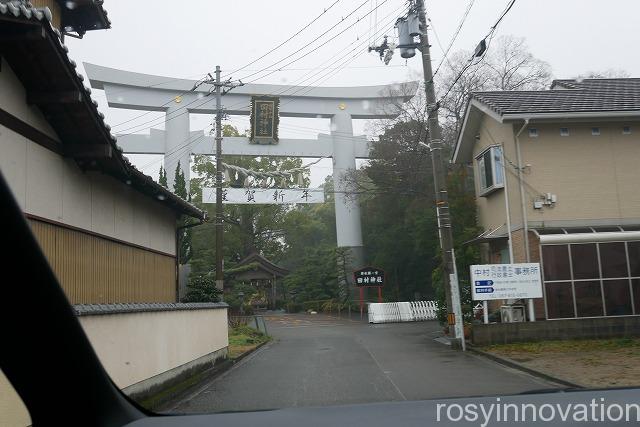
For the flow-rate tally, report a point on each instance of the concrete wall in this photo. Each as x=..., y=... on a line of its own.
x=565, y=329
x=138, y=346
x=142, y=351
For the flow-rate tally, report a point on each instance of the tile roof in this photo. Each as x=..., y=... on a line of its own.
x=567, y=96
x=118, y=308
x=21, y=10
x=48, y=68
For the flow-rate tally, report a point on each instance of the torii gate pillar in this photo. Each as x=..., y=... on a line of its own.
x=348, y=226
x=176, y=135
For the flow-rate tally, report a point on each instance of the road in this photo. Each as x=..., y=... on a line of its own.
x=319, y=360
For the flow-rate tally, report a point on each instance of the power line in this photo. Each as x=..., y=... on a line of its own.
x=297, y=88
x=168, y=117
x=315, y=48
x=287, y=40
x=332, y=71
x=454, y=37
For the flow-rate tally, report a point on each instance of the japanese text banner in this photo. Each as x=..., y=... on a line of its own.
x=265, y=196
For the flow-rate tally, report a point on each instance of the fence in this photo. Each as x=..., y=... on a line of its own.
x=254, y=322
x=414, y=311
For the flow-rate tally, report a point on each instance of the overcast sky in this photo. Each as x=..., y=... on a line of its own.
x=188, y=39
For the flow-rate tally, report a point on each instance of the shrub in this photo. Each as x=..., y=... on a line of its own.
x=202, y=289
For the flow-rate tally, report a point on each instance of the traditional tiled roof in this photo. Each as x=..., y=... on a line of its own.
x=263, y=263
x=102, y=309
x=567, y=96
x=40, y=60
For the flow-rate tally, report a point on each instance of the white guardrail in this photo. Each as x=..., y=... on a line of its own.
x=413, y=311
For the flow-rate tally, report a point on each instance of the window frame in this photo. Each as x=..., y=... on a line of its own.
x=629, y=277
x=480, y=162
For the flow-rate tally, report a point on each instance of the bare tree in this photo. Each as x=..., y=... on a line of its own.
x=611, y=73
x=508, y=65
x=511, y=66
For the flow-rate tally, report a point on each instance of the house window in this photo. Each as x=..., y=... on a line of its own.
x=626, y=130
x=595, y=131
x=490, y=170
x=591, y=279
x=564, y=131
x=533, y=133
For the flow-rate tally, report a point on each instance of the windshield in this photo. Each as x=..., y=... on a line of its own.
x=274, y=205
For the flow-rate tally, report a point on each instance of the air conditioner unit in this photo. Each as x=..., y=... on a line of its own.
x=512, y=313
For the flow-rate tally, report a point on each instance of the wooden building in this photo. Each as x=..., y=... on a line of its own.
x=263, y=275
x=108, y=230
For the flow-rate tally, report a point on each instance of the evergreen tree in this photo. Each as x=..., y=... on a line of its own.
x=180, y=189
x=202, y=289
x=163, y=177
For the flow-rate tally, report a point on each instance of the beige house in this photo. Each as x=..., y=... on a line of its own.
x=569, y=186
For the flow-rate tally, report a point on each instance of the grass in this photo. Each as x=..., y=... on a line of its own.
x=243, y=339
x=567, y=346
x=591, y=363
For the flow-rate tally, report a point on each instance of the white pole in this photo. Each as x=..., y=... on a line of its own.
x=455, y=302
x=506, y=202
x=532, y=311
x=485, y=311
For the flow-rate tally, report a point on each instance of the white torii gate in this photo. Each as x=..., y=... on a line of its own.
x=137, y=91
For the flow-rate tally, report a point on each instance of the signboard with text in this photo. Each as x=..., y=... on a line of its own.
x=264, y=119
x=506, y=281
x=265, y=196
x=368, y=276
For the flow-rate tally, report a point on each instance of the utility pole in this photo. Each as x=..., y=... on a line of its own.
x=410, y=26
x=219, y=207
x=435, y=144
x=219, y=224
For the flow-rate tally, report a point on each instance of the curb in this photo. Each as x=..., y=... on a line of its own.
x=242, y=356
x=512, y=364
x=208, y=375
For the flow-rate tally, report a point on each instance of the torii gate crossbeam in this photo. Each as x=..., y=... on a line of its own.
x=177, y=142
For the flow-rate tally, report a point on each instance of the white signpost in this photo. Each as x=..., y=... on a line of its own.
x=262, y=196
x=505, y=281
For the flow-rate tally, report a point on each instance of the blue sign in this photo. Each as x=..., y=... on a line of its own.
x=484, y=290
x=484, y=282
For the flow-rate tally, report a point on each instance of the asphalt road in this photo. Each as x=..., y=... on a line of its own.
x=318, y=360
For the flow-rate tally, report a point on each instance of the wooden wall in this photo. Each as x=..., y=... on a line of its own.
x=94, y=269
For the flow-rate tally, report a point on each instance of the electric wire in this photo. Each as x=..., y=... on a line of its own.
x=287, y=40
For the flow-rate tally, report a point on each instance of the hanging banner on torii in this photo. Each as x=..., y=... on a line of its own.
x=264, y=119
x=265, y=196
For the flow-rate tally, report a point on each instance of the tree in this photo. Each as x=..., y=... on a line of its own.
x=610, y=73
x=248, y=228
x=316, y=278
x=507, y=65
x=163, y=177
x=202, y=289
x=184, y=236
x=396, y=188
